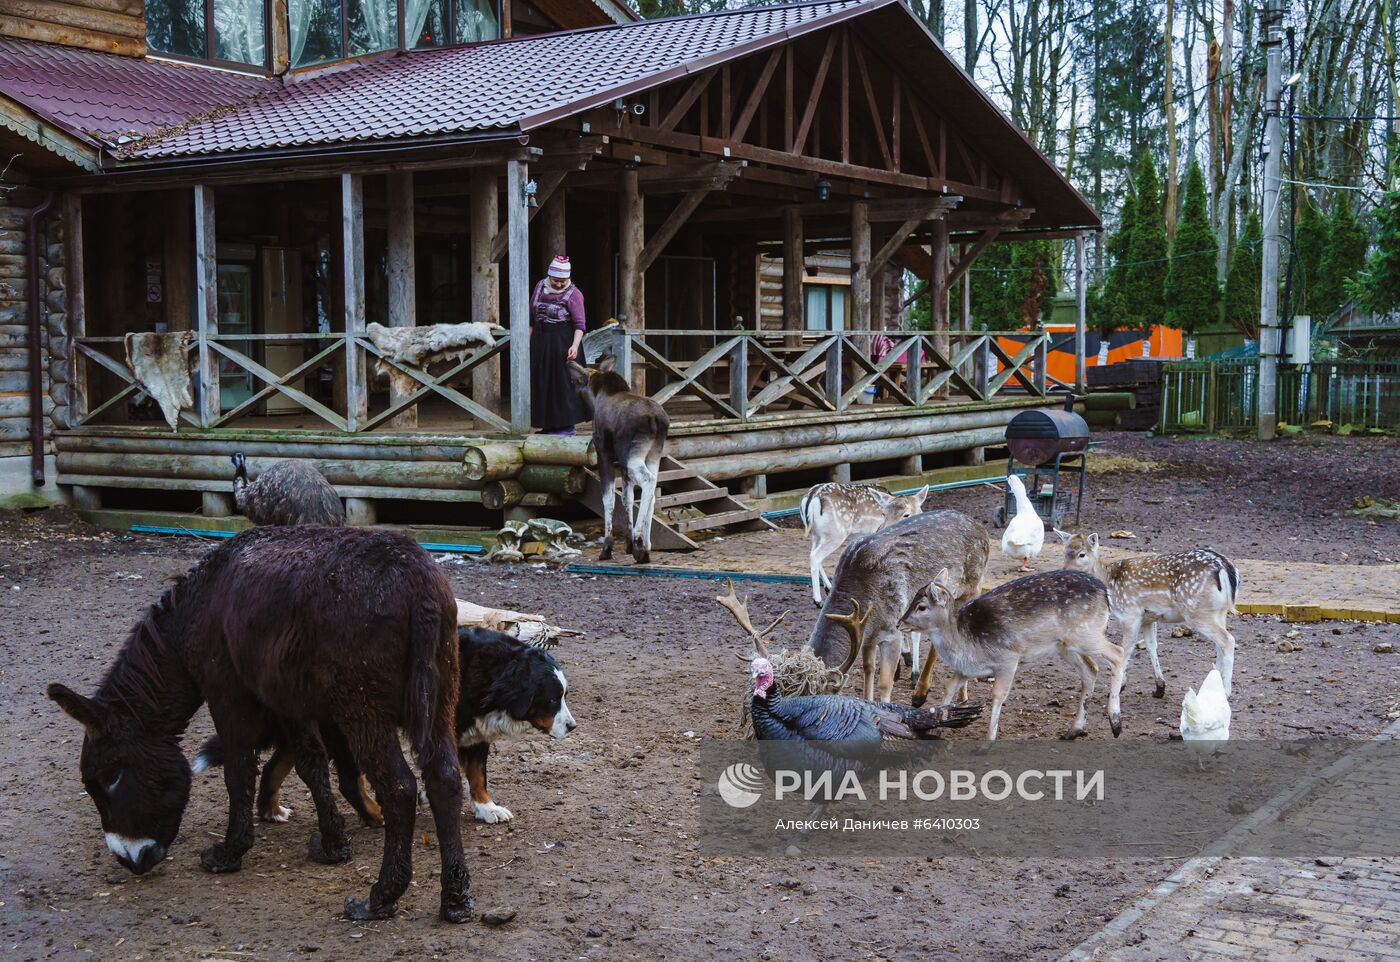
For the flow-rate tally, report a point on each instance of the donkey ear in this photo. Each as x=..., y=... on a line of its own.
x=1094, y=540
x=81, y=709
x=607, y=362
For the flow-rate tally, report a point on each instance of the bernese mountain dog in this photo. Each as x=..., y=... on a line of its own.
x=507, y=688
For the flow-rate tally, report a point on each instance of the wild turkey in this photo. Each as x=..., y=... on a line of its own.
x=289, y=492
x=841, y=718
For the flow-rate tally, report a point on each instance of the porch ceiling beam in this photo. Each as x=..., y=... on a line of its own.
x=809, y=112
x=980, y=220
x=964, y=263
x=287, y=169
x=687, y=100
x=933, y=167
x=875, y=120
x=669, y=227
x=896, y=240
x=741, y=125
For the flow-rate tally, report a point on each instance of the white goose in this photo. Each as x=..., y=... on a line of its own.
x=1025, y=533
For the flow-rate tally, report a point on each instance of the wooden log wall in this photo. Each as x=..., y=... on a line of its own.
x=111, y=26
x=833, y=268
x=14, y=320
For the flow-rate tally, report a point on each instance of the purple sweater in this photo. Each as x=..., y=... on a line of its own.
x=556, y=307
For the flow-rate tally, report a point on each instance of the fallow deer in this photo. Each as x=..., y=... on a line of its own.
x=629, y=433
x=1059, y=612
x=1195, y=587
x=833, y=511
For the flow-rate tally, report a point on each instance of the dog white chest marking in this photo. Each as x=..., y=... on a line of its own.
x=492, y=726
x=130, y=849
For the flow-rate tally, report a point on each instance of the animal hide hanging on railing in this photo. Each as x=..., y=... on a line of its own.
x=158, y=362
x=420, y=347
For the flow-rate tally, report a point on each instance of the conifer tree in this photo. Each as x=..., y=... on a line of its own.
x=1242, y=280
x=1146, y=273
x=1344, y=257
x=1309, y=242
x=1379, y=287
x=1191, y=295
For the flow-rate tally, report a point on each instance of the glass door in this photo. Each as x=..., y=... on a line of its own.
x=235, y=317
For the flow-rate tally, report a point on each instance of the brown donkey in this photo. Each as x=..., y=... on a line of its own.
x=629, y=432
x=279, y=630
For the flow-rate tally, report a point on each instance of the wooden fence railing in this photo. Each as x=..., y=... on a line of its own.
x=352, y=415
x=745, y=374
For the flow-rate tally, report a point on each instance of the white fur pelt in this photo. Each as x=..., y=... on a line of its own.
x=159, y=364
x=421, y=346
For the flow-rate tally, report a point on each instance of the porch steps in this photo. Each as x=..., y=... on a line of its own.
x=706, y=506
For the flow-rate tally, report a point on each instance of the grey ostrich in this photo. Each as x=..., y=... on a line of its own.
x=289, y=492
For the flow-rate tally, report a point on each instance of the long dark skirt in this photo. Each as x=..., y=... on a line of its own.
x=554, y=404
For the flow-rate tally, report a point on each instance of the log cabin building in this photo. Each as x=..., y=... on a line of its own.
x=737, y=191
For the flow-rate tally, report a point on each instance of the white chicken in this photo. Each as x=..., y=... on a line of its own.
x=1205, y=714
x=1025, y=533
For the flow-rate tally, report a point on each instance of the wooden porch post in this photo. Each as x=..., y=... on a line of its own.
x=860, y=274
x=553, y=215
x=518, y=294
x=938, y=292
x=178, y=272
x=1081, y=283
x=486, y=282
x=631, y=240
x=206, y=281
x=403, y=307
x=793, y=269
x=352, y=229
x=77, y=306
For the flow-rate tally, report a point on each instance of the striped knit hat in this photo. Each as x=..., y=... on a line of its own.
x=560, y=267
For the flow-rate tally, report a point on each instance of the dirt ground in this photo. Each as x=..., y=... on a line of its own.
x=602, y=861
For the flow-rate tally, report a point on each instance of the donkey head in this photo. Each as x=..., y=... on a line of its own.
x=139, y=780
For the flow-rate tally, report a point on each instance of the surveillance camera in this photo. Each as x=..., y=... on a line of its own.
x=639, y=109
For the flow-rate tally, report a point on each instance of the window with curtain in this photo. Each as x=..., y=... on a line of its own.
x=825, y=307
x=323, y=30
x=232, y=31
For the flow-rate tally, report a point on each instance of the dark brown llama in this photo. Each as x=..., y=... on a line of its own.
x=629, y=432
x=279, y=630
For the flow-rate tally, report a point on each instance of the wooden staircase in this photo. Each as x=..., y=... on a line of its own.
x=697, y=504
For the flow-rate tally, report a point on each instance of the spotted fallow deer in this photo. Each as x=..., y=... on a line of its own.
x=1196, y=587
x=833, y=511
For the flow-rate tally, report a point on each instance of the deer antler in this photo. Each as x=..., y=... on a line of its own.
x=854, y=623
x=740, y=611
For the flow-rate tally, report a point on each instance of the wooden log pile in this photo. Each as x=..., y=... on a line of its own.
x=1141, y=378
x=541, y=464
x=111, y=26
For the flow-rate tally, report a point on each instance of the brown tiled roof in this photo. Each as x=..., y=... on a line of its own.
x=506, y=85
x=103, y=97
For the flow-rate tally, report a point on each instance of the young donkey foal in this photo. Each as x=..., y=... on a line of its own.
x=629, y=433
x=279, y=630
x=833, y=511
x=1196, y=587
x=1064, y=612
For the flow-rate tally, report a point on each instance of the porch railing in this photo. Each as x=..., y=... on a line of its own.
x=351, y=354
x=745, y=374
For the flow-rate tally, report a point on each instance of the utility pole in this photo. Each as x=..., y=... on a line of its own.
x=1269, y=342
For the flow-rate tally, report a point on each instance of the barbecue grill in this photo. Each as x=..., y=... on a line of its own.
x=1044, y=445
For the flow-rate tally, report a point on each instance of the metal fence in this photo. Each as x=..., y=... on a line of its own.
x=1223, y=396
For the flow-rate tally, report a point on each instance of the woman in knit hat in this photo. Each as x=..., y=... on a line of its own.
x=556, y=331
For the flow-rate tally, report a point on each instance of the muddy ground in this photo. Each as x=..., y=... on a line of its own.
x=602, y=861
x=1285, y=501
